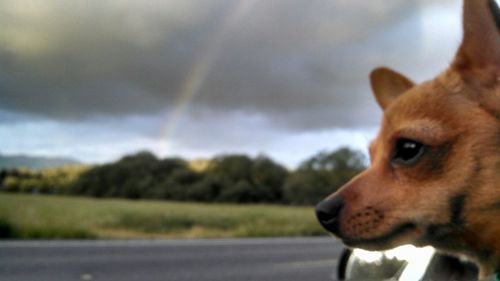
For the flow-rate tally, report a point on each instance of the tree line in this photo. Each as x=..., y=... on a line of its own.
x=225, y=178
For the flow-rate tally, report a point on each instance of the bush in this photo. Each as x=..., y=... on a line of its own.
x=136, y=176
x=51, y=180
x=207, y=189
x=6, y=229
x=11, y=184
x=322, y=175
x=306, y=187
x=226, y=178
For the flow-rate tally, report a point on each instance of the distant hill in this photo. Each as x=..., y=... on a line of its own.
x=33, y=162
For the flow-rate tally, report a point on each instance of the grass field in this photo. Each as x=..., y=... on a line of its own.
x=49, y=217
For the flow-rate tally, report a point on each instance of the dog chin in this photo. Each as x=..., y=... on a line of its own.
x=397, y=236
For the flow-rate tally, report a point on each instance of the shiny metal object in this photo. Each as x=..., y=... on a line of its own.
x=405, y=263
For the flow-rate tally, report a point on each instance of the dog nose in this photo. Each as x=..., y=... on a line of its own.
x=328, y=211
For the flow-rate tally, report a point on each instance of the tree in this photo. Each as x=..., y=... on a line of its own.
x=321, y=175
x=11, y=184
x=224, y=172
x=240, y=178
x=141, y=175
x=207, y=188
x=130, y=177
x=305, y=187
x=268, y=177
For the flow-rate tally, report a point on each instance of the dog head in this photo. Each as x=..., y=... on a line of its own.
x=437, y=154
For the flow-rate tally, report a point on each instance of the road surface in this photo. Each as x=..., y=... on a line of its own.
x=274, y=259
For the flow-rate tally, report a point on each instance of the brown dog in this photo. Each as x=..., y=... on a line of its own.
x=434, y=177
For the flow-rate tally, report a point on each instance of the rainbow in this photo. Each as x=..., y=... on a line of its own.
x=199, y=71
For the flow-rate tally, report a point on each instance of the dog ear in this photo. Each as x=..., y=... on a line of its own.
x=388, y=84
x=480, y=49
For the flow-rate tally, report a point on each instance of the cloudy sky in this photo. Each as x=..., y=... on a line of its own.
x=97, y=79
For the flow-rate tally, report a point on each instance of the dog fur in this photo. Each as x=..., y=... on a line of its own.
x=449, y=197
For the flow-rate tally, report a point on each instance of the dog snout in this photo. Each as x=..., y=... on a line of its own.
x=328, y=212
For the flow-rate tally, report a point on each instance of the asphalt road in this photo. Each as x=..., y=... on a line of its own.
x=276, y=259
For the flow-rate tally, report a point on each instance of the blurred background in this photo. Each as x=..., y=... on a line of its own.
x=127, y=119
x=218, y=101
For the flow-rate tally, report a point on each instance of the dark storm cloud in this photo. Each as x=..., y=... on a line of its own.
x=300, y=64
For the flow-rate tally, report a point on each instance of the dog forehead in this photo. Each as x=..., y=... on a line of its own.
x=425, y=112
x=428, y=101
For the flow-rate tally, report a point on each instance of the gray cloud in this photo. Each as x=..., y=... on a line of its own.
x=300, y=64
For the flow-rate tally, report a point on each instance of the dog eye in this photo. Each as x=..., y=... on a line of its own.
x=407, y=151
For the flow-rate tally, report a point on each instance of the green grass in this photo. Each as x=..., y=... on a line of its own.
x=38, y=216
